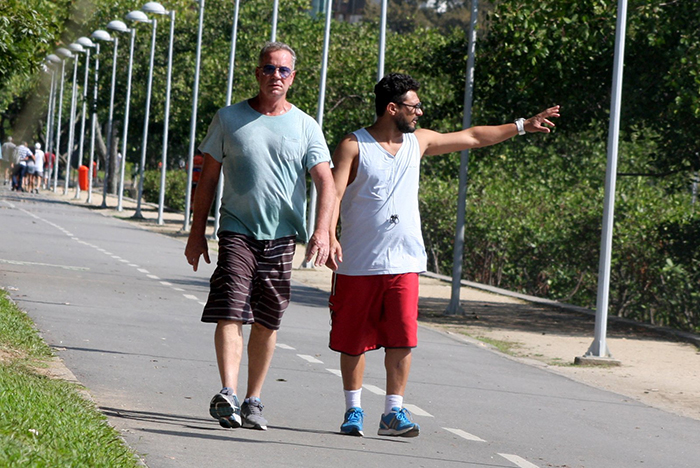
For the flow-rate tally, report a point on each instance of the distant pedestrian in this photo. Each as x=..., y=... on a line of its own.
x=38, y=167
x=7, y=159
x=19, y=171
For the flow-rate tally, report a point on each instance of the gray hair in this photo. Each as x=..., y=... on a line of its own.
x=274, y=46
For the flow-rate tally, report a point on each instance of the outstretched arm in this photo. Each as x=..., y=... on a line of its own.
x=434, y=143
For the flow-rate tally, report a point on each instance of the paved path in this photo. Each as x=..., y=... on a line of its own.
x=121, y=307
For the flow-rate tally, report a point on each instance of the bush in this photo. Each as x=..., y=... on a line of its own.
x=175, y=188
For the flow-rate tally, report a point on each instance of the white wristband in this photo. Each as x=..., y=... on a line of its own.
x=520, y=125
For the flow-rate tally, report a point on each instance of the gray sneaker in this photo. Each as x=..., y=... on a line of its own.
x=251, y=414
x=226, y=409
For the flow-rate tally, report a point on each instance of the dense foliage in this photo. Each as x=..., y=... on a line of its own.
x=534, y=203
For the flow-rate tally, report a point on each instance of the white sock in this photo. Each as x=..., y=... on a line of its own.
x=353, y=398
x=392, y=401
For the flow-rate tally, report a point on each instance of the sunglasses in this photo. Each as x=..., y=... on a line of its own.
x=270, y=70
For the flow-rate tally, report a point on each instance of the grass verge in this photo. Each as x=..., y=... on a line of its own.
x=46, y=422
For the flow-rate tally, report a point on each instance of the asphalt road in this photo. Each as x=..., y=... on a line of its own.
x=121, y=307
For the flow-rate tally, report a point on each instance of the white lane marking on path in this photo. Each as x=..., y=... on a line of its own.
x=202, y=303
x=123, y=260
x=284, y=346
x=133, y=265
x=464, y=434
x=143, y=270
x=520, y=462
x=178, y=289
x=417, y=411
x=310, y=359
x=373, y=389
x=190, y=296
x=65, y=267
x=165, y=283
x=335, y=371
x=153, y=277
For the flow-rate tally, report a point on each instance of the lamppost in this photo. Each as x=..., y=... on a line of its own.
x=104, y=36
x=140, y=17
x=229, y=92
x=87, y=44
x=63, y=54
x=119, y=26
x=99, y=35
x=158, y=9
x=53, y=60
x=77, y=48
x=193, y=118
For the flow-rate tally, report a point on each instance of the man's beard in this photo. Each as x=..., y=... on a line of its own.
x=404, y=126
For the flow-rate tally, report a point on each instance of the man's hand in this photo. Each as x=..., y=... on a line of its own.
x=318, y=245
x=335, y=255
x=536, y=123
x=196, y=246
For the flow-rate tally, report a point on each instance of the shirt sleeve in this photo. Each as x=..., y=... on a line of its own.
x=213, y=143
x=317, y=149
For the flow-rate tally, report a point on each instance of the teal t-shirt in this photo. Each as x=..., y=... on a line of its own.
x=265, y=159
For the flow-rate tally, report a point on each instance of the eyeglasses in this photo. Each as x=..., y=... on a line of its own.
x=270, y=70
x=416, y=107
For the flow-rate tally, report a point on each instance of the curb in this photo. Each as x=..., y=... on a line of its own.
x=679, y=335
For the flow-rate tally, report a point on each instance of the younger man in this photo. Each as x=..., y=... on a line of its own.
x=374, y=298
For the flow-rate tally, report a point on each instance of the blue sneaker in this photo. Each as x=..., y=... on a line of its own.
x=398, y=423
x=352, y=425
x=226, y=409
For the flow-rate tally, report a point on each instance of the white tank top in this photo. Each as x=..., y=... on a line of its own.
x=380, y=221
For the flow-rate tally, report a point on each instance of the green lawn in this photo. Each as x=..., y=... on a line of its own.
x=46, y=422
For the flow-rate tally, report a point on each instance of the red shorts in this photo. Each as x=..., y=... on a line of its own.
x=370, y=312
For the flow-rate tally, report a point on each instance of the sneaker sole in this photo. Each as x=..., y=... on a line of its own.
x=410, y=432
x=248, y=425
x=221, y=410
x=353, y=432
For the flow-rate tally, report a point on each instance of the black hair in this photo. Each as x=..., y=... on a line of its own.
x=392, y=88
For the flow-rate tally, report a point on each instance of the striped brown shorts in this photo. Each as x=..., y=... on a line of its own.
x=251, y=282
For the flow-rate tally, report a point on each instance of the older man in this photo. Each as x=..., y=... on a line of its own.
x=265, y=145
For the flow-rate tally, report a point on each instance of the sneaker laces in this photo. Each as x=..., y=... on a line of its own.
x=354, y=416
x=403, y=415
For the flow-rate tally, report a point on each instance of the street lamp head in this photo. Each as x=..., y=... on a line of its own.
x=118, y=26
x=155, y=8
x=102, y=35
x=64, y=53
x=75, y=47
x=85, y=42
x=53, y=58
x=138, y=16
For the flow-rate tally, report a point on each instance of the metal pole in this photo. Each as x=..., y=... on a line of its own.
x=144, y=140
x=82, y=118
x=193, y=118
x=93, y=124
x=47, y=138
x=164, y=161
x=313, y=195
x=453, y=307
x=382, y=41
x=49, y=127
x=126, y=120
x=229, y=93
x=57, y=152
x=275, y=8
x=599, y=346
x=110, y=122
x=71, y=132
